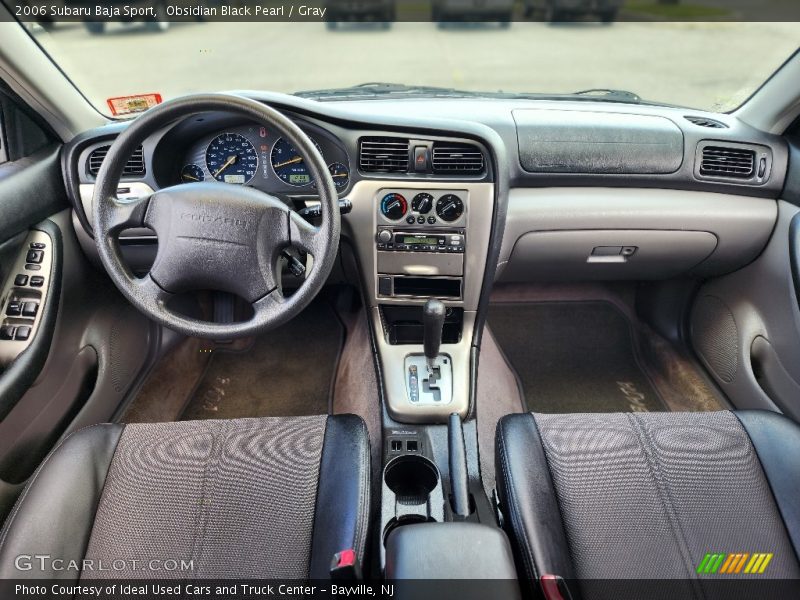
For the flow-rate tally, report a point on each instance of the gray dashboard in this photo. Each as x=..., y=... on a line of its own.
x=538, y=145
x=523, y=129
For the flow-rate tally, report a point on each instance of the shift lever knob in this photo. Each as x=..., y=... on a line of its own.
x=433, y=322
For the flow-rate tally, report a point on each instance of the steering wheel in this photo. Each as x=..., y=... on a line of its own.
x=215, y=236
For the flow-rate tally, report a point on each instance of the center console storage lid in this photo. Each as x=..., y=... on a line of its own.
x=455, y=550
x=575, y=141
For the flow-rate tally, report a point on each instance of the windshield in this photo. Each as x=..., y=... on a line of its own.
x=710, y=66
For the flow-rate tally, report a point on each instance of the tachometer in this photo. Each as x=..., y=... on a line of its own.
x=340, y=174
x=191, y=173
x=288, y=165
x=231, y=158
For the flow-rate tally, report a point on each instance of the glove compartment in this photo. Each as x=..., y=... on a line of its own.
x=607, y=254
x=580, y=234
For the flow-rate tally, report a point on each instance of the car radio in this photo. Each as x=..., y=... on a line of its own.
x=450, y=241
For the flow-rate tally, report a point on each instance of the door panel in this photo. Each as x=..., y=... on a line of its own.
x=745, y=326
x=87, y=347
x=31, y=189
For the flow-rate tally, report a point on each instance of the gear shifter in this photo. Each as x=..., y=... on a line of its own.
x=429, y=376
x=432, y=321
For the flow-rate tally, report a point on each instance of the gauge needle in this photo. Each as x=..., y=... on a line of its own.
x=185, y=176
x=288, y=162
x=340, y=175
x=228, y=163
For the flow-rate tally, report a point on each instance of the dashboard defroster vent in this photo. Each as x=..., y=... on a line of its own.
x=722, y=161
x=454, y=157
x=383, y=155
x=134, y=166
x=706, y=122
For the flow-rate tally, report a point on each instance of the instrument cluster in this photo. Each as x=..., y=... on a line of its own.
x=260, y=157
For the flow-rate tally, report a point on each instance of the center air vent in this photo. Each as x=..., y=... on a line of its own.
x=722, y=161
x=134, y=166
x=454, y=157
x=706, y=122
x=383, y=155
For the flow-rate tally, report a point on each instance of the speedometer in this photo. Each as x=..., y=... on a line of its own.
x=288, y=165
x=231, y=158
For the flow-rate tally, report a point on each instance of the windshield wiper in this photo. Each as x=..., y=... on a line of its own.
x=609, y=95
x=376, y=89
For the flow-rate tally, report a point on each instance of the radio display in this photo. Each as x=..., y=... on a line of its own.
x=423, y=241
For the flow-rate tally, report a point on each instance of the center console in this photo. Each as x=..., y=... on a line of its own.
x=431, y=530
x=422, y=244
x=418, y=241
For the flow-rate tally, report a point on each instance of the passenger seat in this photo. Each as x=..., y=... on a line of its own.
x=680, y=499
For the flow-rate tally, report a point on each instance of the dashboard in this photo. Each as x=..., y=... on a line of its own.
x=567, y=177
x=445, y=197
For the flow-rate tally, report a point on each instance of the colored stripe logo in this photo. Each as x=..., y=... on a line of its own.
x=734, y=563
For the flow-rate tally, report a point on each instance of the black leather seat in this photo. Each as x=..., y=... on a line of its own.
x=593, y=497
x=269, y=498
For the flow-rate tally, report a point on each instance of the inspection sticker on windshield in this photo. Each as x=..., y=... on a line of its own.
x=126, y=105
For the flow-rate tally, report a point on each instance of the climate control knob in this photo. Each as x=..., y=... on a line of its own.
x=394, y=206
x=422, y=203
x=449, y=207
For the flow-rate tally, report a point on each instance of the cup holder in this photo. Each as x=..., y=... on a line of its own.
x=411, y=478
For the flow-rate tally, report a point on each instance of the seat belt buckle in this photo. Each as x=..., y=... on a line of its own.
x=554, y=587
x=344, y=566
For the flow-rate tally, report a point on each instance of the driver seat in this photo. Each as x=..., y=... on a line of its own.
x=266, y=498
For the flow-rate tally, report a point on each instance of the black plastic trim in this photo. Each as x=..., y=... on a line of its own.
x=794, y=254
x=791, y=187
x=57, y=509
x=341, y=517
x=528, y=500
x=31, y=191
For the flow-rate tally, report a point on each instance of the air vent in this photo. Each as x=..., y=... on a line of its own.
x=453, y=157
x=134, y=166
x=706, y=122
x=384, y=155
x=720, y=161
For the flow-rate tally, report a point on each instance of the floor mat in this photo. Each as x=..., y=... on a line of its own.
x=286, y=372
x=573, y=357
